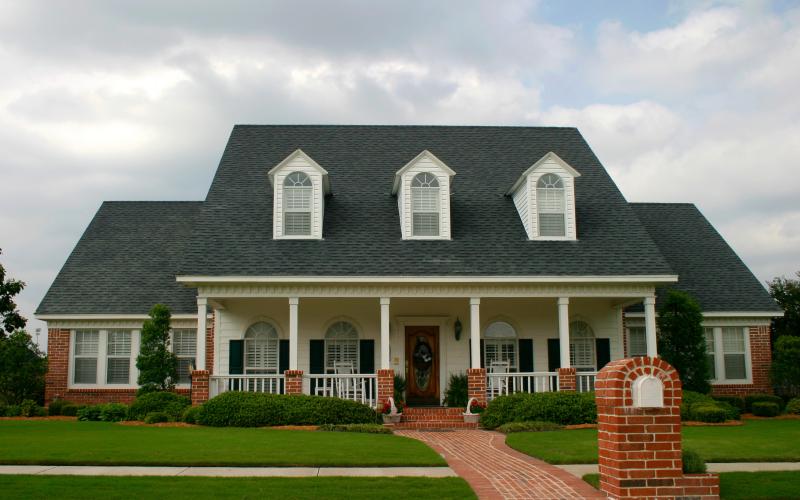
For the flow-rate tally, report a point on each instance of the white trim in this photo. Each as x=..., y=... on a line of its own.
x=738, y=314
x=656, y=278
x=326, y=185
x=117, y=317
x=551, y=155
x=424, y=154
x=719, y=357
x=102, y=360
x=446, y=326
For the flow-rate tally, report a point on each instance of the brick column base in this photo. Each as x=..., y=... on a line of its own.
x=294, y=381
x=476, y=384
x=567, y=379
x=385, y=386
x=200, y=380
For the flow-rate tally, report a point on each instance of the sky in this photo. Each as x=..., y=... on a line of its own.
x=111, y=100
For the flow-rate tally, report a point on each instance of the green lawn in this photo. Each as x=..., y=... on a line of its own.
x=109, y=488
x=100, y=443
x=755, y=441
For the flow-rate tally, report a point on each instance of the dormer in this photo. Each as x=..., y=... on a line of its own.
x=422, y=187
x=545, y=199
x=299, y=187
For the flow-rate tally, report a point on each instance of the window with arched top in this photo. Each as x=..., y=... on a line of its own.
x=297, y=204
x=582, y=346
x=500, y=347
x=550, y=205
x=341, y=348
x=425, y=205
x=261, y=348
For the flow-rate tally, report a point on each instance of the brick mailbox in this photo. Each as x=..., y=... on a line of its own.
x=639, y=433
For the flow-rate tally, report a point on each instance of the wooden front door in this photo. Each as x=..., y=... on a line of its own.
x=422, y=365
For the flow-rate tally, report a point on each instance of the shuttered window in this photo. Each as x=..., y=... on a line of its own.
x=85, y=362
x=425, y=205
x=734, y=351
x=550, y=205
x=118, y=357
x=500, y=347
x=261, y=348
x=341, y=348
x=184, y=346
x=297, y=204
x=582, y=346
x=710, y=353
x=637, y=341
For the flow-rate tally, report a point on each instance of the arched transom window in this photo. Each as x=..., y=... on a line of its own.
x=425, y=205
x=500, y=347
x=261, y=348
x=341, y=348
x=550, y=205
x=297, y=204
x=582, y=346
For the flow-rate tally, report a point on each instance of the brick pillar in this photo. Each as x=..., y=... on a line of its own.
x=476, y=384
x=639, y=433
x=294, y=381
x=200, y=381
x=210, y=341
x=57, y=376
x=567, y=379
x=761, y=358
x=385, y=386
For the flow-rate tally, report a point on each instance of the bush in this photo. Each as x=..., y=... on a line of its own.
x=247, y=409
x=731, y=412
x=710, y=408
x=399, y=390
x=191, y=414
x=691, y=398
x=565, y=408
x=785, y=369
x=167, y=402
x=113, y=412
x=734, y=401
x=711, y=413
x=693, y=463
x=90, y=413
x=71, y=410
x=456, y=394
x=528, y=427
x=366, y=428
x=793, y=407
x=751, y=399
x=156, y=417
x=13, y=411
x=29, y=408
x=766, y=409
x=56, y=406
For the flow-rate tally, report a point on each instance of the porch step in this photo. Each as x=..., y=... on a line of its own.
x=433, y=418
x=431, y=425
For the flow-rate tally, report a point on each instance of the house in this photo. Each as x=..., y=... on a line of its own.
x=326, y=259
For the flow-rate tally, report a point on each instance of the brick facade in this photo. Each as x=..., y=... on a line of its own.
x=200, y=386
x=567, y=379
x=210, y=325
x=385, y=386
x=57, y=365
x=760, y=360
x=476, y=384
x=293, y=380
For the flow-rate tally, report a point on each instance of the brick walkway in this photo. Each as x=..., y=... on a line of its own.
x=496, y=471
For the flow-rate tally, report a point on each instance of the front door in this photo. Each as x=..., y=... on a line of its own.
x=422, y=365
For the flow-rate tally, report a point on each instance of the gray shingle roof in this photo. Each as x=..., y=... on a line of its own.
x=125, y=262
x=361, y=234
x=707, y=266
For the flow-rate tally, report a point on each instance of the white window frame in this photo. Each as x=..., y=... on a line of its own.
x=102, y=357
x=306, y=191
x=110, y=356
x=416, y=192
x=354, y=342
x=180, y=357
x=573, y=343
x=630, y=341
x=424, y=163
x=275, y=340
x=499, y=344
x=719, y=356
x=541, y=210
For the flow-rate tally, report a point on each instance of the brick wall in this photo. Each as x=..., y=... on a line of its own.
x=385, y=386
x=210, y=341
x=760, y=359
x=294, y=381
x=476, y=384
x=57, y=365
x=567, y=379
x=200, y=386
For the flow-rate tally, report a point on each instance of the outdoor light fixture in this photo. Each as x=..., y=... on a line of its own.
x=457, y=328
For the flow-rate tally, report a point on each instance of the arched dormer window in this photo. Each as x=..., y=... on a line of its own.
x=582, y=346
x=500, y=347
x=261, y=348
x=341, y=348
x=550, y=198
x=297, y=204
x=425, y=205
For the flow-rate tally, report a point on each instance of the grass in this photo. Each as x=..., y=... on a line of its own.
x=746, y=485
x=109, y=488
x=100, y=443
x=755, y=441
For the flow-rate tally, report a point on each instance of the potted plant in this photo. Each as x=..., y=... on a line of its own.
x=392, y=412
x=474, y=410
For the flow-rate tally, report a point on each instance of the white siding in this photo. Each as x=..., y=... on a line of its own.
x=424, y=164
x=521, y=198
x=299, y=164
x=551, y=166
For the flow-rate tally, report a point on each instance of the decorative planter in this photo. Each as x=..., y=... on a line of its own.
x=388, y=418
x=472, y=418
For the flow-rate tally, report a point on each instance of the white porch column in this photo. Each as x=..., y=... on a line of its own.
x=650, y=326
x=475, y=332
x=293, y=302
x=385, y=358
x=563, y=330
x=202, y=320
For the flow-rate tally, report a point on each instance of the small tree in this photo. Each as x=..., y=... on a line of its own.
x=785, y=369
x=22, y=369
x=787, y=293
x=682, y=341
x=10, y=319
x=156, y=363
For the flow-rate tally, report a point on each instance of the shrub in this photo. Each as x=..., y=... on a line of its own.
x=766, y=409
x=751, y=399
x=22, y=367
x=456, y=394
x=793, y=407
x=692, y=401
x=731, y=412
x=156, y=417
x=711, y=413
x=528, y=427
x=735, y=401
x=70, y=410
x=90, y=413
x=399, y=390
x=156, y=362
x=113, y=412
x=56, y=406
x=168, y=402
x=681, y=339
x=366, y=428
x=29, y=408
x=691, y=398
x=566, y=408
x=785, y=369
x=13, y=411
x=191, y=414
x=693, y=463
x=247, y=409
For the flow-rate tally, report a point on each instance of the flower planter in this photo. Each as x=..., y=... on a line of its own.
x=472, y=418
x=391, y=419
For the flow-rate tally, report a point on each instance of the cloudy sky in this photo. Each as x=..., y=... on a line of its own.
x=109, y=100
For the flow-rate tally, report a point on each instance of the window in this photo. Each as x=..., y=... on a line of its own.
x=184, y=345
x=297, y=196
x=733, y=349
x=637, y=341
x=86, y=344
x=581, y=346
x=341, y=347
x=118, y=354
x=425, y=205
x=500, y=345
x=710, y=350
x=550, y=202
x=261, y=348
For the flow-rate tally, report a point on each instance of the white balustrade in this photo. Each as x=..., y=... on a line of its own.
x=270, y=383
x=360, y=387
x=501, y=384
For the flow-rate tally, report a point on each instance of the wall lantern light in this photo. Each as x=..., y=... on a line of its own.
x=457, y=328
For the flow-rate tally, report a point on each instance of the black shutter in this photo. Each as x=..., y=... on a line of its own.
x=316, y=360
x=483, y=356
x=366, y=354
x=603, y=347
x=283, y=356
x=236, y=357
x=525, y=355
x=553, y=355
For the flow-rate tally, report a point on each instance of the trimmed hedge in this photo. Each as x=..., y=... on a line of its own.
x=113, y=412
x=365, y=428
x=735, y=401
x=247, y=409
x=751, y=399
x=89, y=413
x=190, y=414
x=706, y=412
x=529, y=427
x=766, y=409
x=793, y=406
x=565, y=408
x=703, y=408
x=156, y=417
x=693, y=463
x=108, y=412
x=167, y=402
x=70, y=410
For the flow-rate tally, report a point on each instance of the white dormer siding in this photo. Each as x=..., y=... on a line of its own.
x=424, y=163
x=525, y=195
x=298, y=162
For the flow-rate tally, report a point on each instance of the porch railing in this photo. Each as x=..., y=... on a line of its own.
x=360, y=387
x=271, y=383
x=585, y=381
x=501, y=384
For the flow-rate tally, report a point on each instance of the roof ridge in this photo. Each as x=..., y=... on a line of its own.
x=354, y=125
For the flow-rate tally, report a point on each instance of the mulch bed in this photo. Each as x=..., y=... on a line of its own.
x=750, y=416
x=728, y=423
x=55, y=417
x=580, y=426
x=137, y=423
